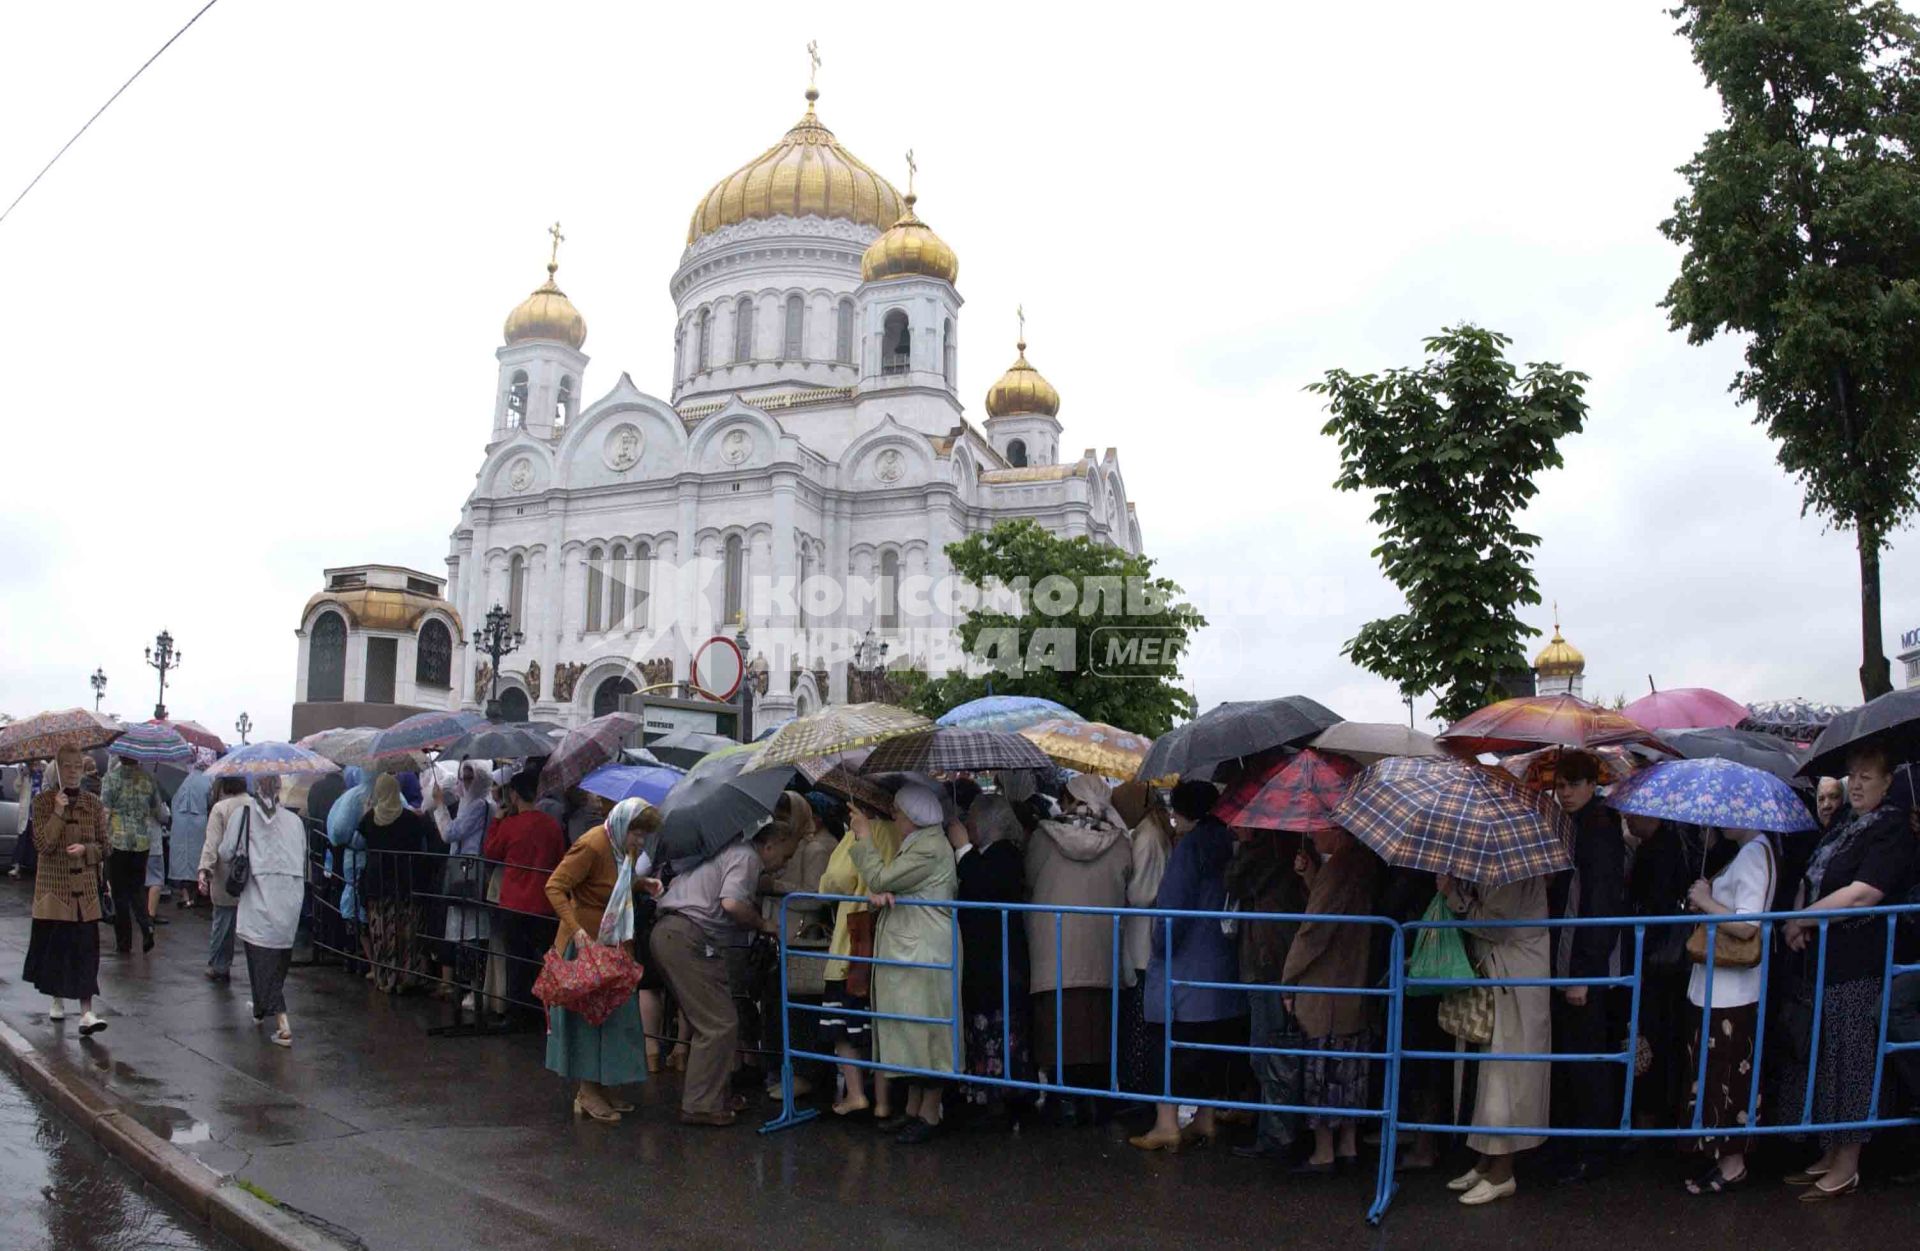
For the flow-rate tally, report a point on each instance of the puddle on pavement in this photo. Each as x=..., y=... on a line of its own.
x=176, y=1125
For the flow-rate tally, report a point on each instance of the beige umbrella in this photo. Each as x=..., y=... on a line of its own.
x=831, y=731
x=1368, y=741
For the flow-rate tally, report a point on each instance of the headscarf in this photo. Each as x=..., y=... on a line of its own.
x=343, y=819
x=1091, y=791
x=1133, y=801
x=409, y=788
x=920, y=805
x=469, y=828
x=266, y=792
x=616, y=923
x=387, y=804
x=1018, y=785
x=992, y=820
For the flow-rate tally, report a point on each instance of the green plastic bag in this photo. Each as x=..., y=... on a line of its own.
x=1438, y=952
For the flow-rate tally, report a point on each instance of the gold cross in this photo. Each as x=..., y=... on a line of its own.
x=912, y=169
x=1020, y=311
x=553, y=261
x=813, y=55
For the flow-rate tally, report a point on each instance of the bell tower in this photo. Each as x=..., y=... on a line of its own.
x=541, y=364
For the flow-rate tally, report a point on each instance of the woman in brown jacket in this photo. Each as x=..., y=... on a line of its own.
x=63, y=951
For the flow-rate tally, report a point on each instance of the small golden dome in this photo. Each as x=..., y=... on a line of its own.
x=547, y=314
x=1559, y=658
x=1021, y=390
x=806, y=174
x=910, y=248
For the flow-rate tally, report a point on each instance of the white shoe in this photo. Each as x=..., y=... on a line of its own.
x=58, y=1012
x=1487, y=1192
x=90, y=1025
x=1466, y=1181
x=466, y=1004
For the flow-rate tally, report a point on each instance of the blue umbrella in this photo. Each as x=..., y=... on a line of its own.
x=622, y=781
x=1007, y=713
x=1721, y=793
x=256, y=759
x=423, y=731
x=150, y=742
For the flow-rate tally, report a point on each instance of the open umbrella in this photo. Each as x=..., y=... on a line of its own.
x=196, y=734
x=702, y=815
x=843, y=781
x=1297, y=793
x=1234, y=730
x=1796, y=720
x=1891, y=721
x=837, y=729
x=1713, y=792
x=504, y=740
x=1747, y=747
x=942, y=750
x=586, y=747
x=1091, y=747
x=623, y=781
x=685, y=748
x=151, y=742
x=1543, y=721
x=257, y=759
x=354, y=746
x=1368, y=741
x=41, y=736
x=1010, y=713
x=1444, y=815
x=1685, y=708
x=424, y=731
x=1541, y=767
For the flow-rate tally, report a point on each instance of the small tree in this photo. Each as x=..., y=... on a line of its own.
x=1802, y=230
x=1052, y=611
x=1450, y=450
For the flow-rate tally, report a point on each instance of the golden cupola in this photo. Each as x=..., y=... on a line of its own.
x=1022, y=391
x=548, y=314
x=1559, y=658
x=909, y=249
x=806, y=174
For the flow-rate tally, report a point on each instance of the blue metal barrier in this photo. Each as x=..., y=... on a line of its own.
x=1393, y=1053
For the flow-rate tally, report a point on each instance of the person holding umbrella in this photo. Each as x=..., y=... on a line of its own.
x=134, y=811
x=63, y=947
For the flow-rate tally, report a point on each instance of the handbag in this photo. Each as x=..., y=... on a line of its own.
x=591, y=983
x=1467, y=1014
x=1730, y=952
x=860, y=943
x=240, y=868
x=463, y=879
x=1438, y=953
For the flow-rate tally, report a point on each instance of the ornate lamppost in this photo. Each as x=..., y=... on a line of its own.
x=99, y=684
x=245, y=726
x=163, y=655
x=495, y=639
x=867, y=681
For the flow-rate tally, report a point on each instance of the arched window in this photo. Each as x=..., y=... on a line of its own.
x=705, y=350
x=732, y=593
x=889, y=590
x=843, y=333
x=517, y=399
x=743, y=329
x=642, y=583
x=327, y=660
x=896, y=344
x=513, y=704
x=679, y=353
x=563, y=410
x=796, y=319
x=1017, y=454
x=946, y=351
x=606, y=696
x=433, y=655
x=517, y=592
x=594, y=580
x=616, y=586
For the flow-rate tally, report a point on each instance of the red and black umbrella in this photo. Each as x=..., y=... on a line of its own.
x=1297, y=794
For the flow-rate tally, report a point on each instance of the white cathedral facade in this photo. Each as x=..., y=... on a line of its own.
x=802, y=479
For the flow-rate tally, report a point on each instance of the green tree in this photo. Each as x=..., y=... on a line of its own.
x=1450, y=450
x=1050, y=612
x=1802, y=230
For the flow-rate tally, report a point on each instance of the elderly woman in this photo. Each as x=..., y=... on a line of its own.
x=1340, y=875
x=464, y=832
x=848, y=986
x=592, y=892
x=1081, y=859
x=274, y=841
x=923, y=868
x=993, y=983
x=63, y=946
x=1861, y=860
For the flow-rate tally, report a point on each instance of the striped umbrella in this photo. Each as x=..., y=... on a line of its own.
x=1011, y=713
x=278, y=759
x=1541, y=721
x=586, y=747
x=1091, y=747
x=1297, y=794
x=943, y=750
x=424, y=731
x=152, y=742
x=1439, y=814
x=836, y=729
x=41, y=736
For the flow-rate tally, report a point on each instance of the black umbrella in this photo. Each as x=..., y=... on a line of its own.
x=1235, y=729
x=684, y=748
x=1747, y=747
x=701, y=815
x=1891, y=721
x=504, y=740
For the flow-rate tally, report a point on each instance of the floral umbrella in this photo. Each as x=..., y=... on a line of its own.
x=153, y=742
x=256, y=759
x=1091, y=747
x=1297, y=794
x=1544, y=721
x=1444, y=815
x=586, y=747
x=1011, y=713
x=41, y=736
x=354, y=746
x=1713, y=792
x=834, y=730
x=423, y=731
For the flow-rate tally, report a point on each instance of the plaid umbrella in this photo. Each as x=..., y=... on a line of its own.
x=1796, y=720
x=945, y=751
x=1297, y=794
x=1541, y=720
x=1236, y=729
x=256, y=759
x=1713, y=792
x=1442, y=815
x=1685, y=708
x=1541, y=768
x=152, y=742
x=41, y=736
x=1010, y=713
x=586, y=747
x=423, y=731
x=836, y=729
x=1091, y=747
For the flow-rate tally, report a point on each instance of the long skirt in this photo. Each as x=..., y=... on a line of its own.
x=1140, y=1041
x=63, y=959
x=1207, y=1074
x=612, y=1054
x=996, y=1047
x=1085, y=1015
x=398, y=958
x=1849, y=1040
x=267, y=975
x=1335, y=1081
x=1723, y=1102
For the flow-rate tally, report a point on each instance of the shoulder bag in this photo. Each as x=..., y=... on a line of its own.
x=240, y=868
x=1730, y=952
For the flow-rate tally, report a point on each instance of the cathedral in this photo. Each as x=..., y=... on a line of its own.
x=800, y=483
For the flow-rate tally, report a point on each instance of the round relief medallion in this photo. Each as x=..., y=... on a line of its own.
x=520, y=476
x=736, y=446
x=889, y=466
x=621, y=451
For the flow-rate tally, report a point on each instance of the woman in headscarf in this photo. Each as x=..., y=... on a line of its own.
x=397, y=866
x=464, y=831
x=922, y=869
x=1151, y=842
x=592, y=892
x=848, y=986
x=275, y=843
x=993, y=984
x=349, y=855
x=63, y=947
x=1081, y=859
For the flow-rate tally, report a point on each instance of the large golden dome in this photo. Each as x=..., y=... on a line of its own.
x=1021, y=390
x=909, y=248
x=1559, y=658
x=806, y=174
x=547, y=314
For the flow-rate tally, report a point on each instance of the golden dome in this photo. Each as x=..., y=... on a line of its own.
x=909, y=248
x=806, y=174
x=547, y=314
x=1559, y=658
x=1022, y=390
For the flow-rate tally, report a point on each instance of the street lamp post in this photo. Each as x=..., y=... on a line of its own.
x=495, y=639
x=99, y=684
x=869, y=666
x=163, y=655
x=744, y=696
x=245, y=726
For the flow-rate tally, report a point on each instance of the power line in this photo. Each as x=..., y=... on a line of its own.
x=103, y=108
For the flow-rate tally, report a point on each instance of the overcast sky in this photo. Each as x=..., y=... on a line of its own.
x=248, y=322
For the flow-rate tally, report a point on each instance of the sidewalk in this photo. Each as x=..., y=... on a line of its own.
x=415, y=1143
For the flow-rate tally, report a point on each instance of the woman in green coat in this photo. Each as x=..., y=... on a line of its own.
x=923, y=868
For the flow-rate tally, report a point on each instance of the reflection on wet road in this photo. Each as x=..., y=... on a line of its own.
x=60, y=1192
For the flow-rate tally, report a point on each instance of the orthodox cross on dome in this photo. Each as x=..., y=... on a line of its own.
x=1020, y=311
x=553, y=259
x=912, y=169
x=813, y=56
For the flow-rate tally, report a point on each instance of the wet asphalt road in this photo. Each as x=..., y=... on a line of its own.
x=60, y=1192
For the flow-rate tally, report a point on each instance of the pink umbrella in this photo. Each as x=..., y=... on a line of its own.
x=1685, y=708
